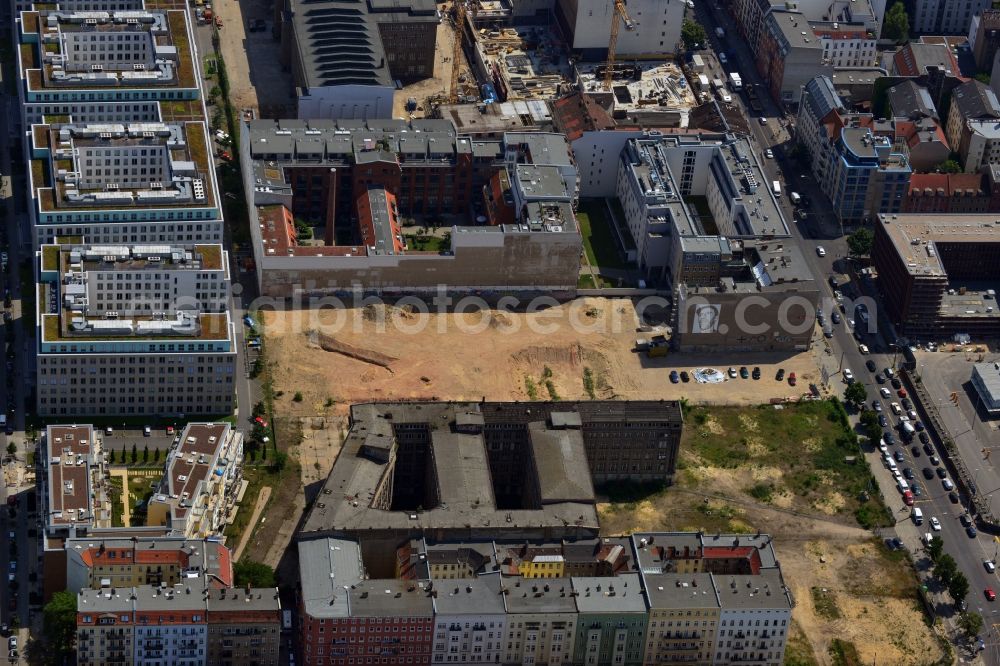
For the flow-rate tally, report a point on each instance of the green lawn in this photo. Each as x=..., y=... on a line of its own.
x=811, y=443
x=421, y=243
x=598, y=238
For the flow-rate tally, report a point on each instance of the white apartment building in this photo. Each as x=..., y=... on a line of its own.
x=200, y=482
x=104, y=63
x=981, y=145
x=124, y=183
x=944, y=17
x=120, y=331
x=470, y=623
x=655, y=26
x=753, y=619
x=846, y=47
x=541, y=621
x=658, y=175
x=109, y=280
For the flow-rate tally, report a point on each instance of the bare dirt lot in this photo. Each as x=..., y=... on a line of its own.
x=256, y=78
x=782, y=472
x=497, y=355
x=440, y=84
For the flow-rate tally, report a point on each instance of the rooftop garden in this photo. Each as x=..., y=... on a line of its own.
x=28, y=56
x=213, y=327
x=40, y=174
x=50, y=258
x=178, y=33
x=211, y=256
x=180, y=110
x=29, y=22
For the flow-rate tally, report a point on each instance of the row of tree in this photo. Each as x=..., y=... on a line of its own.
x=123, y=457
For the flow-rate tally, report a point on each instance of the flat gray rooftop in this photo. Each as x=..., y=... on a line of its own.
x=609, y=594
x=671, y=590
x=540, y=595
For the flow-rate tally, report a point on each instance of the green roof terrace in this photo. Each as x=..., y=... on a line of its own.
x=180, y=151
x=51, y=41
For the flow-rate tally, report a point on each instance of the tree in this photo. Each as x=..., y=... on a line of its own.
x=935, y=548
x=949, y=166
x=135, y=454
x=869, y=420
x=156, y=454
x=693, y=34
x=279, y=462
x=983, y=77
x=946, y=568
x=896, y=24
x=59, y=623
x=297, y=397
x=970, y=623
x=856, y=393
x=145, y=453
x=958, y=587
x=254, y=574
x=12, y=448
x=860, y=242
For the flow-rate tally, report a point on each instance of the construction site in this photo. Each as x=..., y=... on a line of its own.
x=487, y=57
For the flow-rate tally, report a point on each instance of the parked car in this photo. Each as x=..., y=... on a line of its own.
x=732, y=372
x=935, y=524
x=870, y=364
x=953, y=498
x=744, y=373
x=791, y=379
x=885, y=393
x=947, y=484
x=756, y=372
x=848, y=375
x=675, y=377
x=685, y=377
x=780, y=375
x=989, y=566
x=928, y=473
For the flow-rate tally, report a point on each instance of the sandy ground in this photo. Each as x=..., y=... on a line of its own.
x=872, y=591
x=256, y=79
x=873, y=595
x=499, y=356
x=440, y=83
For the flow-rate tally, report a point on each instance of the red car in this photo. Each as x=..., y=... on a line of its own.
x=990, y=594
x=908, y=498
x=901, y=393
x=170, y=430
x=791, y=379
x=259, y=421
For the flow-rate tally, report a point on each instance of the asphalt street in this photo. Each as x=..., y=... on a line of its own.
x=821, y=229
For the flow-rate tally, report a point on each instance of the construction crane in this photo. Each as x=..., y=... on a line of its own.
x=456, y=55
x=619, y=15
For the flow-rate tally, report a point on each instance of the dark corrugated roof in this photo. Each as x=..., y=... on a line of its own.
x=339, y=41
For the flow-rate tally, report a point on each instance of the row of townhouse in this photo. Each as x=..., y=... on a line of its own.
x=645, y=599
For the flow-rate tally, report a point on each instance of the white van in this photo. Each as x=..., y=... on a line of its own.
x=892, y=465
x=794, y=196
x=918, y=516
x=902, y=485
x=776, y=188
